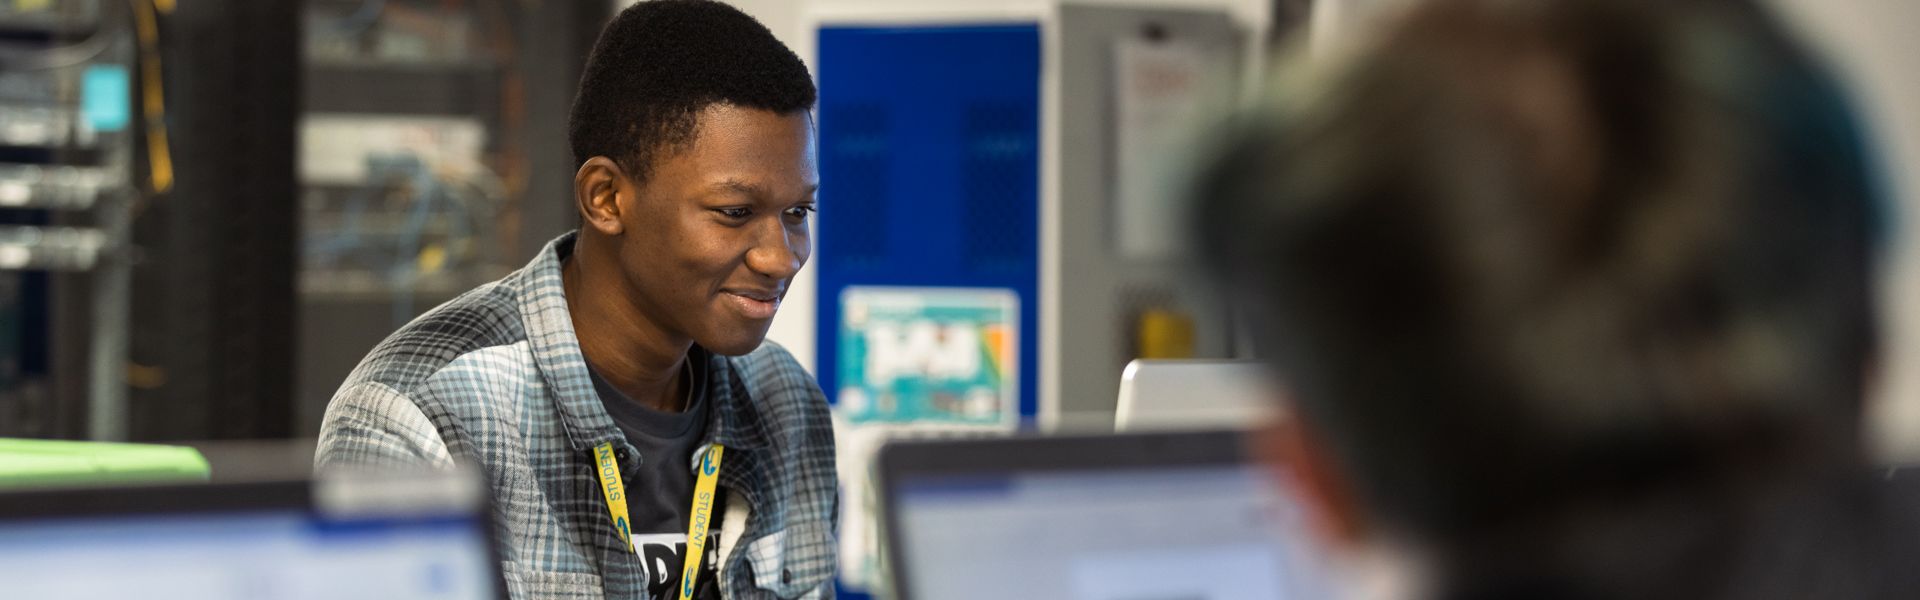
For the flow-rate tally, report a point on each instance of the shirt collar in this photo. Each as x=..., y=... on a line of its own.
x=556, y=353
x=736, y=423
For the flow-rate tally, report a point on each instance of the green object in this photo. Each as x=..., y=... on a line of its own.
x=44, y=463
x=929, y=356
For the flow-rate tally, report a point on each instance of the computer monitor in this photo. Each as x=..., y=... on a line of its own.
x=416, y=537
x=1124, y=517
x=1194, y=394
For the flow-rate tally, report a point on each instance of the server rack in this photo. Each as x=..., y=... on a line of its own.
x=66, y=138
x=212, y=305
x=433, y=159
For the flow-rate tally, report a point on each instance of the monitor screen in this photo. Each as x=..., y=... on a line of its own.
x=1211, y=532
x=251, y=554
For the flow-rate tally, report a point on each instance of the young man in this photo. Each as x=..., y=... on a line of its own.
x=616, y=392
x=1574, y=300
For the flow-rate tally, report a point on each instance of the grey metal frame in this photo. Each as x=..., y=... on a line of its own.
x=1101, y=292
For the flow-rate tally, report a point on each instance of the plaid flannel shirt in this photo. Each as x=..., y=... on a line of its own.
x=495, y=378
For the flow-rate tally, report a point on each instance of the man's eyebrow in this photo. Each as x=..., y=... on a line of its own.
x=737, y=186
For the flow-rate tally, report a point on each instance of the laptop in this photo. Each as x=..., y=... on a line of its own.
x=423, y=537
x=1123, y=517
x=1194, y=394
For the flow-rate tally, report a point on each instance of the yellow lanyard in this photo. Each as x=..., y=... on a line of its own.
x=698, y=520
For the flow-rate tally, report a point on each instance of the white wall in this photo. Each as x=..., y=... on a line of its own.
x=1876, y=46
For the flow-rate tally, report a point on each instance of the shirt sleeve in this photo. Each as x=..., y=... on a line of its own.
x=372, y=425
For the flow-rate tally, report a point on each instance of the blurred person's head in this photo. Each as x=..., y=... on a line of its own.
x=696, y=174
x=1549, y=281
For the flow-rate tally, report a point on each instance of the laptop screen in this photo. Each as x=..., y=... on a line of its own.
x=251, y=553
x=1198, y=532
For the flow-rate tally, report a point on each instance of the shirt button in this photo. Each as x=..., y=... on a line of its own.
x=786, y=576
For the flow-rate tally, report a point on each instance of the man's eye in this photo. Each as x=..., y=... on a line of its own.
x=800, y=212
x=734, y=213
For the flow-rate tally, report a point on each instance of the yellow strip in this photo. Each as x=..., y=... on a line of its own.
x=699, y=518
x=161, y=169
x=152, y=99
x=615, y=491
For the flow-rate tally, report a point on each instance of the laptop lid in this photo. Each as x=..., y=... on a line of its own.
x=419, y=536
x=1194, y=394
x=1161, y=515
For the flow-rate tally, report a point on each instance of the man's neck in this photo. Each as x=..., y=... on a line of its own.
x=622, y=346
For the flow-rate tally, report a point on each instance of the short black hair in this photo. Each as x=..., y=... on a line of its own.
x=660, y=62
x=1515, y=257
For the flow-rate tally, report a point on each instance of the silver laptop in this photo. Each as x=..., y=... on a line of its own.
x=1124, y=517
x=417, y=537
x=1194, y=394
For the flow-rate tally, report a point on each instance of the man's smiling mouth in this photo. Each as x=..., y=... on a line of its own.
x=755, y=304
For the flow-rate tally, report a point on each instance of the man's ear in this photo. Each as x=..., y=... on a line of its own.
x=1312, y=477
x=596, y=194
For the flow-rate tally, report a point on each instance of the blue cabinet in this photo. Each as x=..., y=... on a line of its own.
x=930, y=170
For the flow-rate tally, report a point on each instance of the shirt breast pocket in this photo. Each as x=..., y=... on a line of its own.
x=793, y=563
x=534, y=583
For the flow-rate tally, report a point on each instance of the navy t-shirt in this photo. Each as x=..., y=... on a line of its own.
x=660, y=492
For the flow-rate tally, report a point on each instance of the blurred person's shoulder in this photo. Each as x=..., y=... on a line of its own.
x=1840, y=538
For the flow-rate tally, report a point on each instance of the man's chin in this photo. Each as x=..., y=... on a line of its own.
x=739, y=344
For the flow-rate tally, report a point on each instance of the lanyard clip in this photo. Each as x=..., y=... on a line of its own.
x=699, y=457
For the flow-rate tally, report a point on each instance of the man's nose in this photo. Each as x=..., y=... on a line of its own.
x=777, y=253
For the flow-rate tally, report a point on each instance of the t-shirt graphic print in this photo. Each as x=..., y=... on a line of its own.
x=663, y=557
